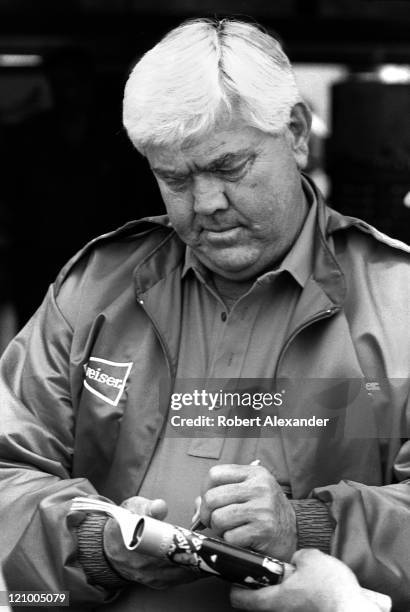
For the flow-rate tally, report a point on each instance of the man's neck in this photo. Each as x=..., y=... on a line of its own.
x=230, y=290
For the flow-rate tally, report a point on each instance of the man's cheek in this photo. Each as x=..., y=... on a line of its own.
x=183, y=227
x=180, y=214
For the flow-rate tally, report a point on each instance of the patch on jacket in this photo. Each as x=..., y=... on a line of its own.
x=106, y=379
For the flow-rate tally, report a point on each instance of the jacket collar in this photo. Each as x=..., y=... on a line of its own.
x=326, y=270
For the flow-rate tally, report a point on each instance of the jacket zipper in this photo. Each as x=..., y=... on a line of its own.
x=159, y=336
x=169, y=366
x=324, y=314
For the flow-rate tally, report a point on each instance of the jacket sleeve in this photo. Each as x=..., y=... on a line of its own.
x=37, y=547
x=372, y=533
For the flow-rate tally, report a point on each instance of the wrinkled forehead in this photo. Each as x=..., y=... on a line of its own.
x=214, y=146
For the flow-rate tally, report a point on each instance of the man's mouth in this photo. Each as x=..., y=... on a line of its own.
x=221, y=234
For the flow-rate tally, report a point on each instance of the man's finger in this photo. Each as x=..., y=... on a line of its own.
x=307, y=556
x=226, y=474
x=158, y=509
x=225, y=495
x=244, y=535
x=262, y=600
x=139, y=505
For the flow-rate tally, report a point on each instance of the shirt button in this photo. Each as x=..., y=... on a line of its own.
x=224, y=316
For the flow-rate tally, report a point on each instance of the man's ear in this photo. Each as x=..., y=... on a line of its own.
x=299, y=126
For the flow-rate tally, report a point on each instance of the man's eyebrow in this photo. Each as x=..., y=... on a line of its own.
x=226, y=159
x=169, y=172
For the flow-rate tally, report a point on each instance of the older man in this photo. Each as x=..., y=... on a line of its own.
x=249, y=276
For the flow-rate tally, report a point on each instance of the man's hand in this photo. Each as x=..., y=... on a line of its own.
x=154, y=573
x=319, y=584
x=246, y=505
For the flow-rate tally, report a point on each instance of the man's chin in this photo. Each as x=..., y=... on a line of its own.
x=232, y=268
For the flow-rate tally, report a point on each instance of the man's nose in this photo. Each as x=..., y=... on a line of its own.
x=209, y=195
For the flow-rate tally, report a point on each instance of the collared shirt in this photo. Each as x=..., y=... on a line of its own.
x=243, y=343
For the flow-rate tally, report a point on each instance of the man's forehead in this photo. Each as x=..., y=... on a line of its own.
x=216, y=150
x=216, y=161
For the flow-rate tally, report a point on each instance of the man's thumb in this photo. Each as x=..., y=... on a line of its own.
x=158, y=509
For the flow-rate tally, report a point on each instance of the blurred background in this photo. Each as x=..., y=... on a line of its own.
x=68, y=172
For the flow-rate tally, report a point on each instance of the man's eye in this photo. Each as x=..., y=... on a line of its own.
x=235, y=173
x=177, y=184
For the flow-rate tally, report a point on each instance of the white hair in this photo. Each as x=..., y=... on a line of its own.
x=201, y=74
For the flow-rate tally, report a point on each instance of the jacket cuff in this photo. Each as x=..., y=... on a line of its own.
x=90, y=534
x=314, y=524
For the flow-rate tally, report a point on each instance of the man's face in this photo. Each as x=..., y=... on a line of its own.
x=234, y=196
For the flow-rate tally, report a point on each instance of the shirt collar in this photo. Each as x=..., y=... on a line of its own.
x=193, y=263
x=298, y=262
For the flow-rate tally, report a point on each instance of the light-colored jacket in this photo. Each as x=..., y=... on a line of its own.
x=116, y=309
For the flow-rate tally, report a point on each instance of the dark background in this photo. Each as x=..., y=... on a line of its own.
x=68, y=171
